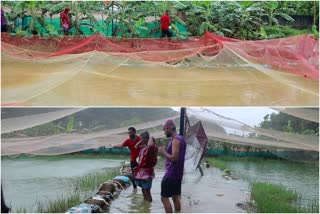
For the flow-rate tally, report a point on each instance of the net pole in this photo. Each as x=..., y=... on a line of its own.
x=182, y=119
x=112, y=18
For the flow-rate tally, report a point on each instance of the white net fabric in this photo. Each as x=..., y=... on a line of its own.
x=277, y=139
x=28, y=121
x=303, y=113
x=202, y=75
x=68, y=143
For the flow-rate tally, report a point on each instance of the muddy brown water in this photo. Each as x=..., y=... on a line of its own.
x=94, y=79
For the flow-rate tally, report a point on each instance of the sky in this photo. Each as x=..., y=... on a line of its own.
x=252, y=116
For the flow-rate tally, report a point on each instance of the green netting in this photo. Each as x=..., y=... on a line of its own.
x=214, y=152
x=107, y=150
x=100, y=27
x=221, y=152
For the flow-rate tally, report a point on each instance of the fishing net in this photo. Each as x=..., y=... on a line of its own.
x=213, y=126
x=303, y=113
x=243, y=135
x=67, y=142
x=207, y=70
x=197, y=141
x=20, y=123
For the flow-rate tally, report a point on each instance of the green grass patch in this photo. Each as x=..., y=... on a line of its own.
x=271, y=198
x=61, y=204
x=84, y=186
x=289, y=31
x=218, y=163
x=281, y=32
x=92, y=181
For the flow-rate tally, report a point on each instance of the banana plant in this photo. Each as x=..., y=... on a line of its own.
x=83, y=11
x=32, y=9
x=272, y=10
x=242, y=20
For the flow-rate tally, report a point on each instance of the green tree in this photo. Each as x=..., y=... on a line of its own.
x=70, y=124
x=287, y=123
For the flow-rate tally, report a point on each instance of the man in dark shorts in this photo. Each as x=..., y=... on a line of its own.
x=134, y=152
x=165, y=25
x=175, y=156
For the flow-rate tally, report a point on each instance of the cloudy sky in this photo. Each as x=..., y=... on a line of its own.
x=249, y=115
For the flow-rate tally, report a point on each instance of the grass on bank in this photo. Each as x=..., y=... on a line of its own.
x=271, y=198
x=84, y=186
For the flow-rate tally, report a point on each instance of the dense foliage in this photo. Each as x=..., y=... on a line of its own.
x=237, y=19
x=288, y=123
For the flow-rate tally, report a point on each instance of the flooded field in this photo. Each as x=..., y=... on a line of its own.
x=97, y=79
x=26, y=181
x=48, y=178
x=303, y=178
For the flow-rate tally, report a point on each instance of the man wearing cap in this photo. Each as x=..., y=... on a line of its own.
x=134, y=151
x=175, y=156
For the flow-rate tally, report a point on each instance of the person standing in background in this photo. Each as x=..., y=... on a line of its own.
x=65, y=21
x=165, y=24
x=4, y=27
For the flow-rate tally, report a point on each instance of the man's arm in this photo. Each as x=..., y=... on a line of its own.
x=138, y=144
x=175, y=151
x=119, y=146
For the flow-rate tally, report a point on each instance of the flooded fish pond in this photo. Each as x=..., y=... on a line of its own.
x=26, y=181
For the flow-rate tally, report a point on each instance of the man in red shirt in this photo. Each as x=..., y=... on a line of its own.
x=134, y=152
x=165, y=24
x=65, y=21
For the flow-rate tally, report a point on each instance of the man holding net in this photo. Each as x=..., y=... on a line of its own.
x=175, y=156
x=144, y=172
x=134, y=151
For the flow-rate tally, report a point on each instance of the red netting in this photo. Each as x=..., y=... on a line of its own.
x=298, y=55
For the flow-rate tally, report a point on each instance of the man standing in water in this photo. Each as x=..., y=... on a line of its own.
x=134, y=152
x=175, y=156
x=144, y=172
